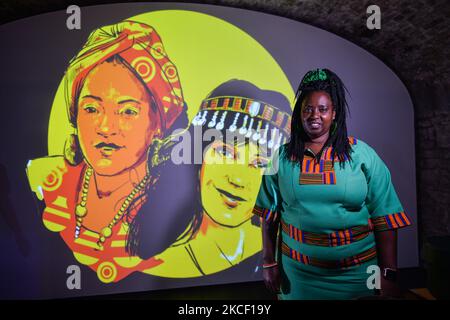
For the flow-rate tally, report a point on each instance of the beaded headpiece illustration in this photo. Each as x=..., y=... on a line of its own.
x=255, y=119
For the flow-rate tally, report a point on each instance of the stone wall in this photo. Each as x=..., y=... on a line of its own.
x=432, y=120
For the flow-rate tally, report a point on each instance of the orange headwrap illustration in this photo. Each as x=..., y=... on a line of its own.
x=141, y=48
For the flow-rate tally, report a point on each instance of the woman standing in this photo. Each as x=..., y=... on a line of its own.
x=333, y=198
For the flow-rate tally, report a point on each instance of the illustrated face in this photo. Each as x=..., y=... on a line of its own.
x=115, y=121
x=317, y=114
x=229, y=180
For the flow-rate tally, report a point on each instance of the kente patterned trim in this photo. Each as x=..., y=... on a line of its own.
x=352, y=140
x=322, y=171
x=318, y=178
x=348, y=262
x=266, y=214
x=334, y=239
x=391, y=221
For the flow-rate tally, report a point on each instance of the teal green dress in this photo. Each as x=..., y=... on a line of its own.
x=328, y=216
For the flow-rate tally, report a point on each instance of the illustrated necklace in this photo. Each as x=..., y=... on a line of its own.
x=81, y=210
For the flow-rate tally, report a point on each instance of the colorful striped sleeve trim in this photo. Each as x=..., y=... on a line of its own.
x=391, y=221
x=266, y=214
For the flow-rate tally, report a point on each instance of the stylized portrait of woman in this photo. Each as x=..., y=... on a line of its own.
x=228, y=177
x=123, y=96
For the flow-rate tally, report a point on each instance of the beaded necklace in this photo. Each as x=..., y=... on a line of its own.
x=81, y=210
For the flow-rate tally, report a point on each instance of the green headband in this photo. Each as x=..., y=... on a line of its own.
x=315, y=75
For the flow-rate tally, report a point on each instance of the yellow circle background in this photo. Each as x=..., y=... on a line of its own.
x=206, y=50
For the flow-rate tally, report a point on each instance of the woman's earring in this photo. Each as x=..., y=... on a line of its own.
x=160, y=150
x=72, y=150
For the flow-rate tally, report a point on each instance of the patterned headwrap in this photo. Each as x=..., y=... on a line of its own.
x=140, y=46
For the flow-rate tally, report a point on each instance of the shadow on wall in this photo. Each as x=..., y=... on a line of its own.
x=8, y=213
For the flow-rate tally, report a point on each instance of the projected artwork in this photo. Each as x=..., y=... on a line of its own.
x=134, y=146
x=135, y=93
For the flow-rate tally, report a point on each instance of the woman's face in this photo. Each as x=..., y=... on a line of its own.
x=115, y=122
x=229, y=181
x=317, y=114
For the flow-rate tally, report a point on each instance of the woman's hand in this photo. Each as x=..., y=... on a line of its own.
x=272, y=279
x=271, y=271
x=386, y=242
x=390, y=289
